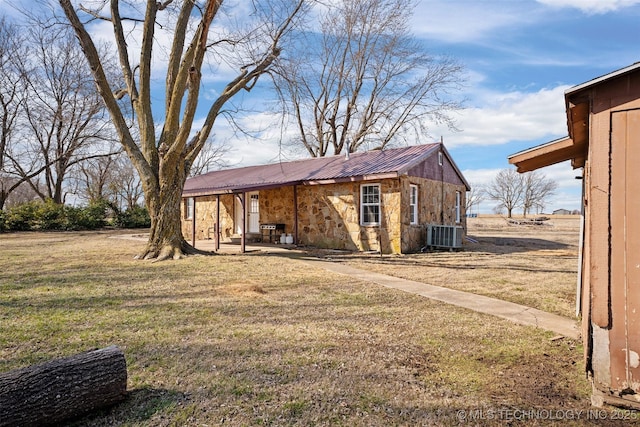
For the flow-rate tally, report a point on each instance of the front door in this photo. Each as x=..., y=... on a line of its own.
x=252, y=203
x=253, y=218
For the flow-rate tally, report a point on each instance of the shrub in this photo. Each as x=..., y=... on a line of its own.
x=38, y=215
x=49, y=216
x=3, y=220
x=22, y=217
x=136, y=217
x=90, y=217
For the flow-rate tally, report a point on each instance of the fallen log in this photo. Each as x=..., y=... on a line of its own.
x=62, y=389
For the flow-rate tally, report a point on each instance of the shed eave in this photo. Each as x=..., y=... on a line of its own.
x=550, y=153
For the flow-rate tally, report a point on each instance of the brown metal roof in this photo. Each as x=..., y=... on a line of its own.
x=360, y=166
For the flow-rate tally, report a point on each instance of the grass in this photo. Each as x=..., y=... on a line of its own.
x=258, y=339
x=535, y=266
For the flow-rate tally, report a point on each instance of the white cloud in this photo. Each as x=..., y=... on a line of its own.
x=499, y=118
x=591, y=6
x=467, y=21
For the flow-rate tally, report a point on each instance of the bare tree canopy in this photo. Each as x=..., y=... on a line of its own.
x=364, y=81
x=12, y=95
x=186, y=34
x=506, y=189
x=512, y=190
x=475, y=196
x=52, y=117
x=537, y=188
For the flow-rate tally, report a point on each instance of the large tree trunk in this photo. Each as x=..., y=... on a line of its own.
x=165, y=237
x=63, y=388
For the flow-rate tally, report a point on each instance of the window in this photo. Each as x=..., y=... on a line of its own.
x=458, y=200
x=370, y=204
x=188, y=208
x=440, y=158
x=413, y=204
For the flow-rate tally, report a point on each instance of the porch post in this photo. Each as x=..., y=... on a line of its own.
x=295, y=214
x=216, y=242
x=243, y=235
x=193, y=224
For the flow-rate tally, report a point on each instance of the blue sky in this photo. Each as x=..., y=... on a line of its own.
x=519, y=58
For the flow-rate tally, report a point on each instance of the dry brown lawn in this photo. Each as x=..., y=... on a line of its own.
x=258, y=339
x=536, y=266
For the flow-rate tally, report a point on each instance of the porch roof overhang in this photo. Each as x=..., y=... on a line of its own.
x=247, y=188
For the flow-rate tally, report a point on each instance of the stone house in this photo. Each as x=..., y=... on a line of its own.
x=376, y=200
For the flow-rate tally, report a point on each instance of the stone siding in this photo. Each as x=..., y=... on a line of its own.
x=329, y=214
x=436, y=205
x=206, y=217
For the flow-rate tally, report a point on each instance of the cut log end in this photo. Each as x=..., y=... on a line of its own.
x=63, y=389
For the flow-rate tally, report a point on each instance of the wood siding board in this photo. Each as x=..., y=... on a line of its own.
x=633, y=248
x=599, y=223
x=586, y=274
x=617, y=333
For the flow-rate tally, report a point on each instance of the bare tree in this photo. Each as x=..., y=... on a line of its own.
x=536, y=189
x=211, y=157
x=94, y=178
x=65, y=121
x=163, y=159
x=364, y=81
x=475, y=196
x=507, y=188
x=12, y=95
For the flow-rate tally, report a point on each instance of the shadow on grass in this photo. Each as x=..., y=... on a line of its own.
x=508, y=245
x=489, y=247
x=140, y=405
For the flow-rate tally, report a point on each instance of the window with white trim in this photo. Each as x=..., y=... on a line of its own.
x=458, y=202
x=370, y=204
x=188, y=208
x=413, y=204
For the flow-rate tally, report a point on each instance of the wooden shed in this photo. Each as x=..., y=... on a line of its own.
x=603, y=118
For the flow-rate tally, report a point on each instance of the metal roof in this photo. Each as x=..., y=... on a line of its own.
x=359, y=166
x=603, y=78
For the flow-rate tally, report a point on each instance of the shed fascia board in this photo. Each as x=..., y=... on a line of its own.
x=547, y=154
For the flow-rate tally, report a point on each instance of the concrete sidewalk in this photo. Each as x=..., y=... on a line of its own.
x=507, y=310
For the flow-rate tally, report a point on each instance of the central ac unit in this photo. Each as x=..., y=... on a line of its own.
x=444, y=236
